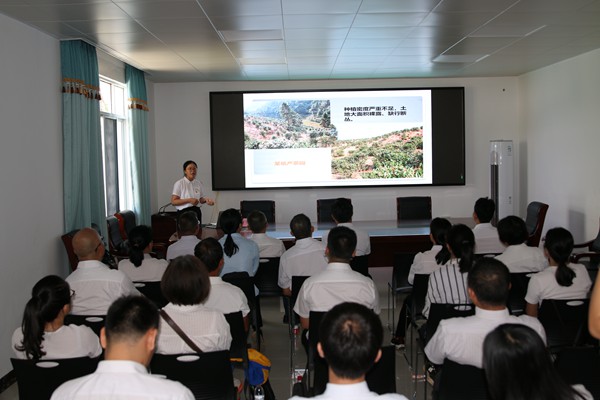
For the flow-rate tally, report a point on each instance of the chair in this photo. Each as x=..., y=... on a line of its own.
x=462, y=382
x=266, y=206
x=297, y=282
x=413, y=208
x=117, y=245
x=591, y=257
x=67, y=240
x=324, y=210
x=37, y=380
x=266, y=277
x=94, y=322
x=152, y=291
x=439, y=311
x=239, y=342
x=565, y=322
x=246, y=284
x=399, y=283
x=207, y=375
x=580, y=365
x=519, y=282
x=129, y=222
x=360, y=264
x=414, y=312
x=536, y=215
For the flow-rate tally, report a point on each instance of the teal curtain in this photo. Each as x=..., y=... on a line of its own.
x=82, y=145
x=138, y=131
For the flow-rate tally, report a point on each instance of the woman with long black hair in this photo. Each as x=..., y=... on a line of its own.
x=240, y=254
x=141, y=267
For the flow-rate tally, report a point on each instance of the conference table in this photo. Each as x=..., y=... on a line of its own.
x=387, y=237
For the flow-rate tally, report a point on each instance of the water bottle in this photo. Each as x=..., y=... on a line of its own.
x=259, y=393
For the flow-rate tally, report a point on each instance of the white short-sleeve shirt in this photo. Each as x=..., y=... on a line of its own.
x=305, y=258
x=353, y=391
x=226, y=297
x=522, y=258
x=68, y=341
x=96, y=287
x=543, y=285
x=424, y=263
x=186, y=189
x=486, y=239
x=151, y=270
x=268, y=247
x=338, y=283
x=363, y=240
x=183, y=247
x=122, y=380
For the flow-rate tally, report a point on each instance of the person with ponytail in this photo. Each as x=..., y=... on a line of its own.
x=141, y=267
x=424, y=264
x=562, y=280
x=240, y=254
x=43, y=334
x=448, y=284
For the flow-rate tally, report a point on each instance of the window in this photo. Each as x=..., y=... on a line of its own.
x=115, y=147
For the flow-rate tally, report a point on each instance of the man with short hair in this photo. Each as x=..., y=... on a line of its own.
x=338, y=283
x=517, y=256
x=461, y=339
x=486, y=235
x=129, y=338
x=96, y=286
x=223, y=296
x=188, y=228
x=268, y=247
x=342, y=212
x=350, y=340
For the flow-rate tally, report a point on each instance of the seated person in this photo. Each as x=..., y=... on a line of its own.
x=268, y=247
x=129, y=338
x=186, y=286
x=517, y=256
x=241, y=254
x=562, y=280
x=518, y=366
x=486, y=235
x=448, y=284
x=341, y=212
x=351, y=337
x=141, y=267
x=43, y=334
x=424, y=264
x=461, y=339
x=96, y=286
x=223, y=296
x=338, y=283
x=188, y=228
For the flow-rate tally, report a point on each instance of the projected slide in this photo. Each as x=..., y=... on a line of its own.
x=346, y=138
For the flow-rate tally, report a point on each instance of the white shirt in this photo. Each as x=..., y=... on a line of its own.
x=207, y=327
x=447, y=285
x=461, y=339
x=424, y=263
x=523, y=258
x=68, y=341
x=183, y=247
x=151, y=270
x=337, y=284
x=226, y=297
x=363, y=241
x=268, y=247
x=96, y=286
x=121, y=380
x=543, y=285
x=486, y=239
x=353, y=391
x=305, y=258
x=186, y=189
x=245, y=260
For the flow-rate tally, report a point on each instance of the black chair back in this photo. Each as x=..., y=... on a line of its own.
x=519, y=281
x=116, y=244
x=324, y=209
x=266, y=206
x=534, y=220
x=239, y=342
x=438, y=312
x=419, y=293
x=462, y=382
x=565, y=322
x=360, y=264
x=129, y=218
x=246, y=283
x=580, y=365
x=267, y=276
x=413, y=208
x=402, y=264
x=94, y=322
x=37, y=380
x=207, y=375
x=152, y=291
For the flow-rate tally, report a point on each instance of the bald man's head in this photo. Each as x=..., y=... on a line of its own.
x=87, y=245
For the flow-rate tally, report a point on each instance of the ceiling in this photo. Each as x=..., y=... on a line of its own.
x=215, y=40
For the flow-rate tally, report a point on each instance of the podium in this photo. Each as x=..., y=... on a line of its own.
x=164, y=225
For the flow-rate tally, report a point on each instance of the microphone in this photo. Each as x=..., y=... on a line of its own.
x=161, y=210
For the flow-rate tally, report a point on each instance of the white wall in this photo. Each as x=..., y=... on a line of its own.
x=31, y=211
x=560, y=121
x=182, y=124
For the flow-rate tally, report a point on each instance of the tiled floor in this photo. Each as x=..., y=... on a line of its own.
x=276, y=346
